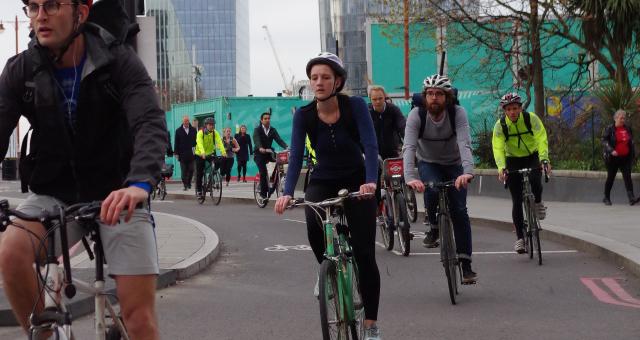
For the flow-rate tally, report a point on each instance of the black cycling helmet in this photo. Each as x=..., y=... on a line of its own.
x=332, y=61
x=209, y=120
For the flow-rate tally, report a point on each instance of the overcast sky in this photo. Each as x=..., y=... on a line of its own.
x=293, y=25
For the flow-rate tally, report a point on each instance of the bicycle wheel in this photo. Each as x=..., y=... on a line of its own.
x=162, y=190
x=527, y=228
x=385, y=228
x=412, y=206
x=331, y=308
x=404, y=235
x=281, y=180
x=447, y=254
x=216, y=187
x=536, y=237
x=357, y=325
x=113, y=333
x=261, y=202
x=154, y=192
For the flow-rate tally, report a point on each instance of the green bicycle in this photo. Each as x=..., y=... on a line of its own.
x=341, y=307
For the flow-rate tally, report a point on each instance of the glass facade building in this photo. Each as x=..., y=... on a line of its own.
x=202, y=48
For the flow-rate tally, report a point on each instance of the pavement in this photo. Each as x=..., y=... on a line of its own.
x=186, y=246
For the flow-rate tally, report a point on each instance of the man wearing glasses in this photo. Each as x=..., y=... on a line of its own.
x=438, y=135
x=98, y=134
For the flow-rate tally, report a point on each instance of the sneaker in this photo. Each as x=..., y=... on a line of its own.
x=468, y=275
x=372, y=333
x=519, y=246
x=606, y=201
x=541, y=211
x=431, y=239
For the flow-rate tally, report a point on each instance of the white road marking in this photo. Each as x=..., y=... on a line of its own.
x=297, y=221
x=483, y=252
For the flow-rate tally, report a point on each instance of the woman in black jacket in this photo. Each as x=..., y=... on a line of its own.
x=619, y=153
x=244, y=141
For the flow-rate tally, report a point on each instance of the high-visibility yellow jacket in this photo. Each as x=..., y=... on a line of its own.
x=521, y=143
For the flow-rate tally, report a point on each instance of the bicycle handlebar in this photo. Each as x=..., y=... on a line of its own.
x=526, y=171
x=343, y=195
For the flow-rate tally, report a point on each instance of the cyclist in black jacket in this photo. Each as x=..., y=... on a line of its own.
x=98, y=134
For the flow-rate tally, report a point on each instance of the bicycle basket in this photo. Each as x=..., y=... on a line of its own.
x=283, y=157
x=167, y=170
x=393, y=167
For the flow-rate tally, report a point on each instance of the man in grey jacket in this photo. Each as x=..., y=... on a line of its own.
x=438, y=136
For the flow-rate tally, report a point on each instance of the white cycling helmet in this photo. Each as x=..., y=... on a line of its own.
x=510, y=98
x=437, y=81
x=332, y=61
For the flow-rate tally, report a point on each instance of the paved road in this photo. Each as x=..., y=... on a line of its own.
x=252, y=293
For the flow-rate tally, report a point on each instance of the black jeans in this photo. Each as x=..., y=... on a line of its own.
x=361, y=218
x=186, y=169
x=624, y=164
x=514, y=182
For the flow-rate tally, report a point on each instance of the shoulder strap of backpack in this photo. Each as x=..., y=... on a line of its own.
x=452, y=117
x=345, y=110
x=310, y=121
x=505, y=128
x=422, y=113
x=527, y=121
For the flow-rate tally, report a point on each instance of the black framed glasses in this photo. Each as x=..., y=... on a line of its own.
x=50, y=7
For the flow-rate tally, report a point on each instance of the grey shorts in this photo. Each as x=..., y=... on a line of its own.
x=129, y=248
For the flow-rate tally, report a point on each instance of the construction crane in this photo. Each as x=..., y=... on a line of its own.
x=287, y=89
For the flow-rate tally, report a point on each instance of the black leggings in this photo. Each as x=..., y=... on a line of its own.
x=624, y=164
x=361, y=218
x=227, y=165
x=514, y=181
x=242, y=168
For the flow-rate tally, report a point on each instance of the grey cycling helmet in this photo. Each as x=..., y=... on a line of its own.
x=510, y=98
x=437, y=81
x=209, y=120
x=332, y=61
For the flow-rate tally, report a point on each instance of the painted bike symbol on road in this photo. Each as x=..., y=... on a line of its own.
x=280, y=247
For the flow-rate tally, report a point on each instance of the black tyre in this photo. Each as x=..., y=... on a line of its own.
x=162, y=190
x=332, y=323
x=282, y=177
x=216, y=188
x=113, y=333
x=536, y=238
x=357, y=326
x=447, y=253
x=261, y=202
x=412, y=205
x=385, y=228
x=154, y=193
x=403, y=228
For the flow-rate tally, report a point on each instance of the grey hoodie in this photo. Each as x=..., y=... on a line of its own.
x=454, y=151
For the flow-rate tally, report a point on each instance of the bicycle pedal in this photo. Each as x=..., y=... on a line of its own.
x=468, y=283
x=411, y=236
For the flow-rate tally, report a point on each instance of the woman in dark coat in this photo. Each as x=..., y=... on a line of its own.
x=619, y=153
x=244, y=141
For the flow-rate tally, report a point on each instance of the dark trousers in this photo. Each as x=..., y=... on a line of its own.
x=186, y=169
x=514, y=182
x=361, y=218
x=242, y=169
x=624, y=164
x=432, y=172
x=261, y=161
x=200, y=167
x=227, y=165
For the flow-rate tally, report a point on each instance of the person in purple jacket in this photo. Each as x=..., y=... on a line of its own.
x=340, y=130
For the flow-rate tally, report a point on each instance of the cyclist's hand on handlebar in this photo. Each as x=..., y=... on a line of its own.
x=547, y=165
x=118, y=201
x=368, y=188
x=282, y=203
x=416, y=185
x=463, y=181
x=502, y=175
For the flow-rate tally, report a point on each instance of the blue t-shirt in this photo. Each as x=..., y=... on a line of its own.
x=68, y=81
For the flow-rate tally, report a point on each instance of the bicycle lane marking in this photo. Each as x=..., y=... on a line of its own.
x=604, y=296
x=280, y=248
x=483, y=252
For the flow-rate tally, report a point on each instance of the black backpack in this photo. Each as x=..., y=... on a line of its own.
x=310, y=117
x=451, y=111
x=505, y=129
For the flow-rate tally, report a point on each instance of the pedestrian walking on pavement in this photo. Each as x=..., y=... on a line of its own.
x=619, y=153
x=244, y=142
x=184, y=148
x=231, y=147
